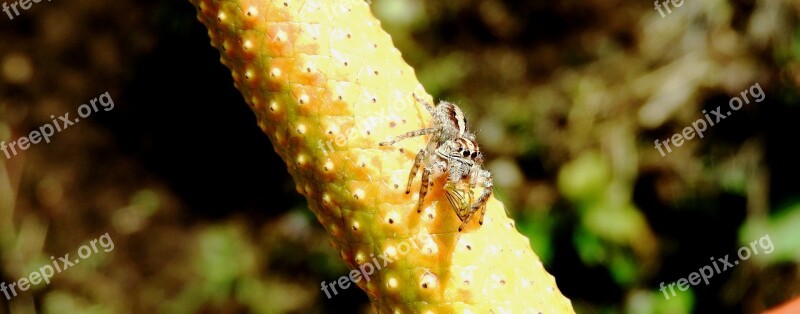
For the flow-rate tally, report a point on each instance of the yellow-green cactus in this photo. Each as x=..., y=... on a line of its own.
x=327, y=85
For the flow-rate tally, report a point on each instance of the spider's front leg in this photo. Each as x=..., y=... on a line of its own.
x=423, y=188
x=417, y=163
x=488, y=188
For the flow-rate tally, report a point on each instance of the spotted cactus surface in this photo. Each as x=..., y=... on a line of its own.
x=327, y=85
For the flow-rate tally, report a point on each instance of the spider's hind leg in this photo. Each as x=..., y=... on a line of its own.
x=428, y=105
x=406, y=135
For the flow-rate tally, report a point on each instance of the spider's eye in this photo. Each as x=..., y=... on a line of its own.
x=474, y=154
x=464, y=153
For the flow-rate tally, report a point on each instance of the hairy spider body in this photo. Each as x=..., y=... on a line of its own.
x=451, y=151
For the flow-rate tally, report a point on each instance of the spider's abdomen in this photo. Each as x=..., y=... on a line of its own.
x=454, y=124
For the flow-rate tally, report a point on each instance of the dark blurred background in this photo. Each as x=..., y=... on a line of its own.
x=567, y=99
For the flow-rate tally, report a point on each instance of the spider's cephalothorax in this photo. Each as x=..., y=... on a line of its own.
x=451, y=151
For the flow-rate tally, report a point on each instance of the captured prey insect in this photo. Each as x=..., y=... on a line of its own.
x=451, y=151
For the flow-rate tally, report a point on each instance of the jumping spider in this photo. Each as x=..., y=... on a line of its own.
x=451, y=150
